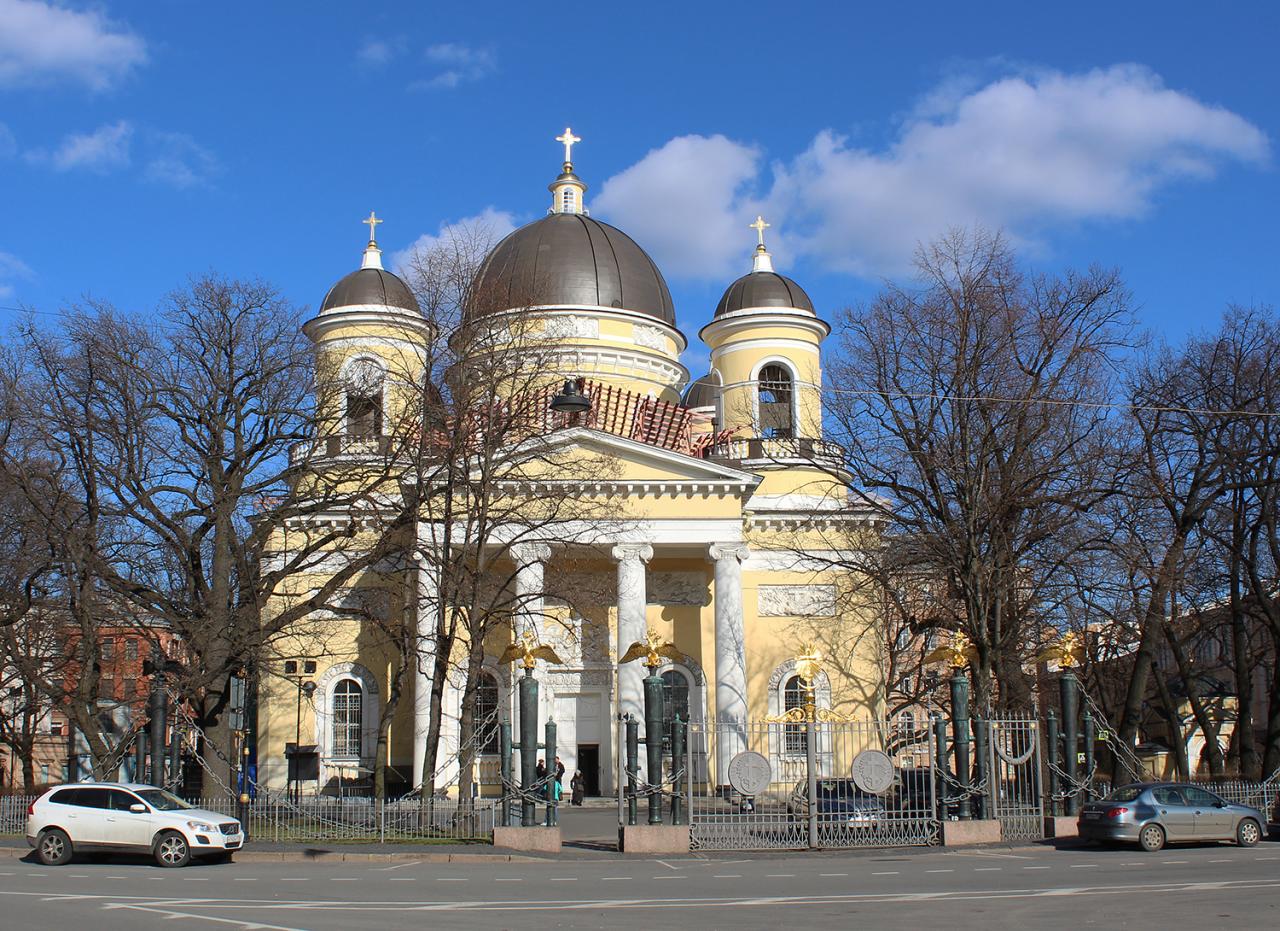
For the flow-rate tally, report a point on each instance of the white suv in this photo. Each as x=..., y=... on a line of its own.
x=105, y=816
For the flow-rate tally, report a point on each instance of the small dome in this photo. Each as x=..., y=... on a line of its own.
x=763, y=289
x=375, y=286
x=569, y=258
x=704, y=392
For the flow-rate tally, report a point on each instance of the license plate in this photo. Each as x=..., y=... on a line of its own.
x=1093, y=814
x=231, y=844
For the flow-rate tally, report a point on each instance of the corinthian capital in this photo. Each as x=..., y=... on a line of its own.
x=627, y=551
x=738, y=551
x=526, y=554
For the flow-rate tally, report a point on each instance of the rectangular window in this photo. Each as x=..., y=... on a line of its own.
x=107, y=688
x=108, y=647
x=131, y=649
x=44, y=772
x=57, y=728
x=130, y=689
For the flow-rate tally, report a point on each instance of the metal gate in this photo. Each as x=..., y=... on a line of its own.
x=1014, y=793
x=817, y=784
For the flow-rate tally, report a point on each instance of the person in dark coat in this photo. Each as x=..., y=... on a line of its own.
x=579, y=787
x=540, y=773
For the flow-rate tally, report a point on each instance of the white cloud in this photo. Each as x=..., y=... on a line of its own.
x=101, y=151
x=1025, y=153
x=472, y=234
x=376, y=53
x=42, y=42
x=683, y=202
x=457, y=64
x=179, y=161
x=12, y=267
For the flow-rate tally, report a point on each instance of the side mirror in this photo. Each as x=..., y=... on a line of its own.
x=138, y=808
x=1219, y=804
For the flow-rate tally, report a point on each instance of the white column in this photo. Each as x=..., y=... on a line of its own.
x=632, y=601
x=530, y=607
x=731, y=655
x=426, y=606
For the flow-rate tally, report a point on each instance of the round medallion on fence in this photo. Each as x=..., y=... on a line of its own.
x=750, y=773
x=873, y=772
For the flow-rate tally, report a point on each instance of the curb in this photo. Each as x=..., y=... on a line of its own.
x=338, y=856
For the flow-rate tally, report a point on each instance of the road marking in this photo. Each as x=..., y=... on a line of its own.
x=406, y=879
x=939, y=871
x=398, y=866
x=727, y=876
x=886, y=873
x=780, y=876
x=1175, y=861
x=294, y=879
x=205, y=879
x=668, y=865
x=246, y=879
x=1084, y=866
x=454, y=879
x=344, y=879
x=564, y=879
x=1037, y=867
x=1267, y=858
x=1222, y=860
x=987, y=869
x=509, y=879
x=833, y=874
x=72, y=876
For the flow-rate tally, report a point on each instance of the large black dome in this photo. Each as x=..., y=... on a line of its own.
x=763, y=289
x=370, y=286
x=569, y=258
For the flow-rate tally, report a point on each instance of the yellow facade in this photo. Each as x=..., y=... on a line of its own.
x=726, y=551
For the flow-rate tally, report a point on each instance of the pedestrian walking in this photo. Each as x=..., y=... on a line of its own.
x=578, y=785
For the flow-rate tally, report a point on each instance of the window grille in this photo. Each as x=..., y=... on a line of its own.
x=348, y=706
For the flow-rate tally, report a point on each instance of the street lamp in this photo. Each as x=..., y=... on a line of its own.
x=298, y=671
x=571, y=400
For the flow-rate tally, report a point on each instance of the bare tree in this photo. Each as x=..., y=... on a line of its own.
x=973, y=407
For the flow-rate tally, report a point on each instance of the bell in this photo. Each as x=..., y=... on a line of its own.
x=570, y=400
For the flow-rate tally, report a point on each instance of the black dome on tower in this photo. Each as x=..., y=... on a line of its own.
x=370, y=286
x=763, y=289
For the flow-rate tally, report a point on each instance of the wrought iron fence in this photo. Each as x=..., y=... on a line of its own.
x=1014, y=794
x=330, y=819
x=807, y=794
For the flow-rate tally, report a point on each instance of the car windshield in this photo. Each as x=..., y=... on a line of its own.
x=161, y=800
x=1125, y=794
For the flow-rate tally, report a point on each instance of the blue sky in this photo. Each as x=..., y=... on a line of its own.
x=141, y=142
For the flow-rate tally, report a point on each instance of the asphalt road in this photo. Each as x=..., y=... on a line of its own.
x=1197, y=887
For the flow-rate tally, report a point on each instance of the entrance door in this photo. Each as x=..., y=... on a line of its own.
x=589, y=765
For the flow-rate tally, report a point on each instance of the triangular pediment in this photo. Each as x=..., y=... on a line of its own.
x=605, y=458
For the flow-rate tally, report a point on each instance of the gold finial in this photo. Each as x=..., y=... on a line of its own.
x=528, y=651
x=760, y=226
x=372, y=222
x=569, y=139
x=955, y=654
x=1067, y=652
x=809, y=664
x=651, y=649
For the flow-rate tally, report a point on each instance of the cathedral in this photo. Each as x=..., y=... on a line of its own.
x=719, y=516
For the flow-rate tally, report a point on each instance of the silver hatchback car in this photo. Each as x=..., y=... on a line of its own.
x=1152, y=814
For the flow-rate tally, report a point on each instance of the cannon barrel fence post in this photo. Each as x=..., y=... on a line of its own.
x=678, y=763
x=633, y=765
x=504, y=741
x=1090, y=736
x=1051, y=740
x=550, y=748
x=1070, y=688
x=528, y=748
x=940, y=755
x=960, y=735
x=980, y=744
x=653, y=714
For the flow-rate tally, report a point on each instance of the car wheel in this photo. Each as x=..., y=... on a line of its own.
x=1248, y=833
x=172, y=850
x=1151, y=838
x=54, y=847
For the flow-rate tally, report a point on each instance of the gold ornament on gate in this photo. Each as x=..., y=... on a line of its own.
x=652, y=649
x=956, y=654
x=1068, y=652
x=808, y=666
x=529, y=651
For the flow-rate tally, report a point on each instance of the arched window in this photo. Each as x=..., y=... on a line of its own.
x=776, y=391
x=794, y=734
x=348, y=718
x=566, y=200
x=675, y=698
x=364, y=382
x=488, y=736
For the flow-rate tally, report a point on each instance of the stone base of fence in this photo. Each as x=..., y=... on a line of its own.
x=970, y=833
x=653, y=838
x=538, y=840
x=1068, y=826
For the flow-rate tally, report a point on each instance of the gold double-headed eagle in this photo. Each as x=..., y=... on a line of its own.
x=651, y=649
x=529, y=651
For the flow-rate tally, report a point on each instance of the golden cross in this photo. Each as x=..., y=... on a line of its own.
x=568, y=139
x=759, y=226
x=372, y=222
